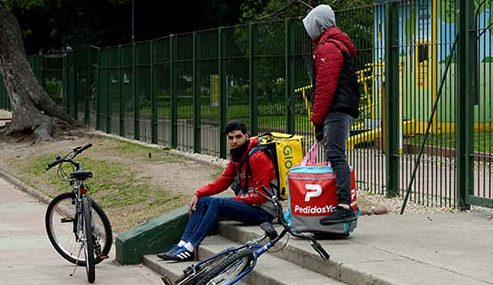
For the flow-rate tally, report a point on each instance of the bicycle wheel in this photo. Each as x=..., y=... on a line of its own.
x=228, y=269
x=61, y=224
x=191, y=276
x=88, y=237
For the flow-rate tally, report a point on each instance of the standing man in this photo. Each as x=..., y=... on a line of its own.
x=249, y=205
x=335, y=100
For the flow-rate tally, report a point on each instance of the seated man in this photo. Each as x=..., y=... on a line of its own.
x=249, y=205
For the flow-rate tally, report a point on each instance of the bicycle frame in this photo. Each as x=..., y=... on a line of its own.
x=80, y=210
x=258, y=249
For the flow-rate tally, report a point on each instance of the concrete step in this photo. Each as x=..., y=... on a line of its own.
x=171, y=269
x=352, y=261
x=270, y=270
x=165, y=268
x=384, y=250
x=295, y=250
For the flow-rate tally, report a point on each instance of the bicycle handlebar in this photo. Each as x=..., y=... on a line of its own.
x=80, y=149
x=70, y=156
x=51, y=164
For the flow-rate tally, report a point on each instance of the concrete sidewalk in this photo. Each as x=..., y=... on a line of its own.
x=27, y=256
x=451, y=249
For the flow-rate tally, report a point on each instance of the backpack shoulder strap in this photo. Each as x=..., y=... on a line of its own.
x=254, y=150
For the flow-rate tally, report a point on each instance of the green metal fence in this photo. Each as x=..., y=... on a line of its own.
x=4, y=98
x=425, y=124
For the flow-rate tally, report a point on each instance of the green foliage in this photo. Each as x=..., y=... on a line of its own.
x=54, y=88
x=240, y=93
x=446, y=10
x=259, y=10
x=482, y=5
x=482, y=140
x=411, y=26
x=22, y=4
x=487, y=59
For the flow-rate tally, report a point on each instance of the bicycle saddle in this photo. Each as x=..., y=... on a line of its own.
x=81, y=174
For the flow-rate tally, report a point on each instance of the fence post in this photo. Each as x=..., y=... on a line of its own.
x=42, y=71
x=75, y=82
x=222, y=92
x=107, y=89
x=121, y=102
x=174, y=99
x=196, y=96
x=99, y=90
x=252, y=74
x=3, y=104
x=153, y=95
x=290, y=75
x=88, y=86
x=464, y=99
x=392, y=105
x=68, y=86
x=135, y=95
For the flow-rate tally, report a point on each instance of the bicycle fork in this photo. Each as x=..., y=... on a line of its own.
x=77, y=231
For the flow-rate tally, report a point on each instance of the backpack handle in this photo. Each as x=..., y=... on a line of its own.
x=311, y=155
x=272, y=136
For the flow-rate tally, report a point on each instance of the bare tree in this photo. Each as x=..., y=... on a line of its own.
x=34, y=113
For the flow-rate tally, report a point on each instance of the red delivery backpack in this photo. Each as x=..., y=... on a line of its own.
x=313, y=195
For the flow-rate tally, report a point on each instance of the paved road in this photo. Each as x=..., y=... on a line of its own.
x=27, y=257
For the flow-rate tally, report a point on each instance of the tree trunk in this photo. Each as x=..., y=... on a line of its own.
x=33, y=111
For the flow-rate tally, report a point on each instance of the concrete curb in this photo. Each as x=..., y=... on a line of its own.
x=40, y=196
x=305, y=257
x=154, y=236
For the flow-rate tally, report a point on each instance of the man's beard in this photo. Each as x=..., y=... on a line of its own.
x=237, y=153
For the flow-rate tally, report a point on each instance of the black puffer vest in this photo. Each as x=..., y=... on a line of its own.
x=347, y=94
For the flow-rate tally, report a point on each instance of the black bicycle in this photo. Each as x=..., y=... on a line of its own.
x=231, y=265
x=74, y=222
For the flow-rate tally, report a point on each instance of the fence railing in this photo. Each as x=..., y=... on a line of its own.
x=180, y=90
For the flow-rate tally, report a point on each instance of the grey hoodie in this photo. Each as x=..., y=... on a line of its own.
x=318, y=20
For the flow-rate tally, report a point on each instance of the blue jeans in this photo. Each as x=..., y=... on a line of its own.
x=210, y=210
x=336, y=131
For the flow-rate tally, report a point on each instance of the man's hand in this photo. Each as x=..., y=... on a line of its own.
x=192, y=205
x=319, y=133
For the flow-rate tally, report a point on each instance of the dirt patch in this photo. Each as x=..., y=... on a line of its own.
x=169, y=178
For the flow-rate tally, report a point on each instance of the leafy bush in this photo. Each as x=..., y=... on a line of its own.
x=54, y=88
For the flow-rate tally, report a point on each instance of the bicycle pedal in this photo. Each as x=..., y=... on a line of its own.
x=67, y=220
x=104, y=256
x=188, y=271
x=166, y=280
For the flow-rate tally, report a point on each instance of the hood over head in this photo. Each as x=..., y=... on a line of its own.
x=318, y=20
x=340, y=36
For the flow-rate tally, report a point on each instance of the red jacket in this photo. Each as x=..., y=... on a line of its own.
x=328, y=62
x=262, y=173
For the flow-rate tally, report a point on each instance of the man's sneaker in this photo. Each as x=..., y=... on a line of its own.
x=178, y=253
x=169, y=255
x=341, y=215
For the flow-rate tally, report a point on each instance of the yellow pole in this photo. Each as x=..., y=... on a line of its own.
x=308, y=109
x=434, y=34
